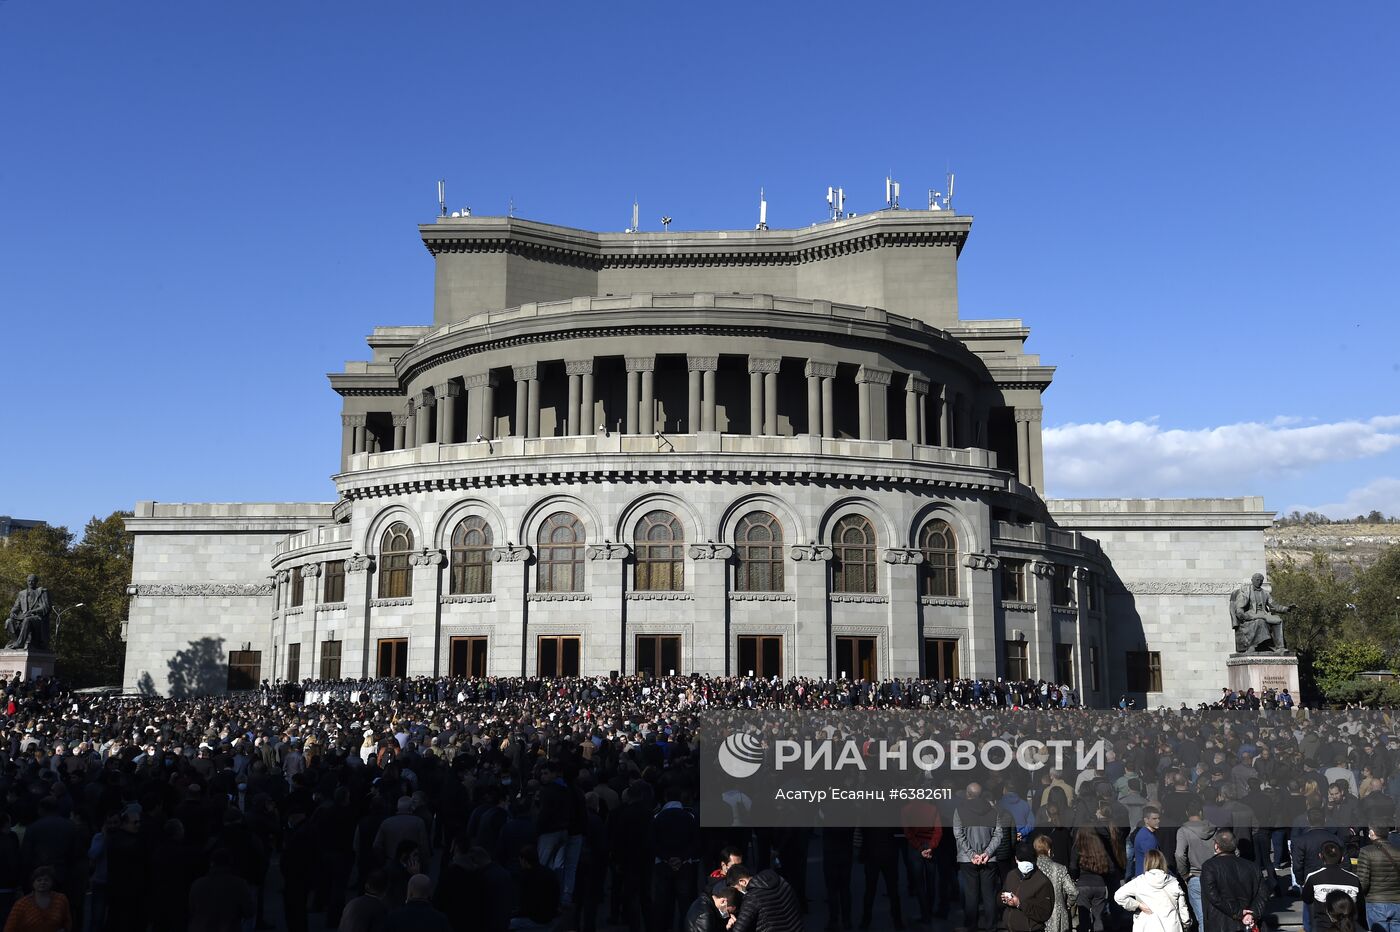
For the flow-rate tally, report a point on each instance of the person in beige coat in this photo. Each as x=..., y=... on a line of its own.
x=1066, y=890
x=1154, y=897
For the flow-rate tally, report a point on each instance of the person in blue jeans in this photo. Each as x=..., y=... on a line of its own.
x=1378, y=869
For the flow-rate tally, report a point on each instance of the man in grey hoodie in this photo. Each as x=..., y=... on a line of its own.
x=1195, y=844
x=978, y=834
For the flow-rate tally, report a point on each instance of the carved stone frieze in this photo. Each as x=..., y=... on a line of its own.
x=1043, y=569
x=918, y=384
x=711, y=551
x=1018, y=606
x=360, y=563
x=330, y=606
x=701, y=363
x=352, y=420
x=641, y=363
x=762, y=597
x=820, y=370
x=812, y=553
x=390, y=603
x=660, y=596
x=468, y=598
x=858, y=597
x=559, y=597
x=947, y=600
x=448, y=389
x=901, y=556
x=1028, y=414
x=428, y=557
x=1180, y=587
x=525, y=373
x=579, y=367
x=608, y=550
x=873, y=376
x=481, y=380
x=311, y=571
x=981, y=561
x=511, y=553
x=764, y=364
x=197, y=590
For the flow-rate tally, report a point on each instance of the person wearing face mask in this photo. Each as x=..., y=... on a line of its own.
x=1027, y=893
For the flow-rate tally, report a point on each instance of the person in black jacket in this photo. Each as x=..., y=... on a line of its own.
x=769, y=904
x=711, y=910
x=1027, y=893
x=675, y=838
x=1232, y=891
x=880, y=849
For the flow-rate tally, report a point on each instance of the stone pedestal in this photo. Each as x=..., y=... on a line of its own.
x=29, y=664
x=1263, y=671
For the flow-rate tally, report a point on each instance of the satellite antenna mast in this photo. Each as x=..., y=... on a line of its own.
x=891, y=193
x=666, y=224
x=948, y=201
x=762, y=211
x=836, y=201
x=442, y=197
x=636, y=226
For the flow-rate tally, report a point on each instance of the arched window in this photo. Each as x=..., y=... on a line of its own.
x=660, y=549
x=758, y=546
x=471, y=556
x=561, y=554
x=853, y=566
x=940, y=548
x=395, y=573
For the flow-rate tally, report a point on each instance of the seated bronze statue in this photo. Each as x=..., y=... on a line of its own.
x=1255, y=617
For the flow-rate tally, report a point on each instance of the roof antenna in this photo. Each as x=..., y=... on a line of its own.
x=762, y=212
x=836, y=201
x=666, y=224
x=442, y=197
x=948, y=201
x=891, y=193
x=636, y=226
x=512, y=208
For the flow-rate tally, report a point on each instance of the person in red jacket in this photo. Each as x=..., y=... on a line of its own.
x=728, y=857
x=923, y=830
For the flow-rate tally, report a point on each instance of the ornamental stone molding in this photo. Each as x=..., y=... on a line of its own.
x=428, y=557
x=1043, y=569
x=608, y=550
x=711, y=551
x=292, y=610
x=330, y=607
x=448, y=389
x=352, y=420
x=480, y=381
x=762, y=597
x=425, y=399
x=641, y=363
x=981, y=561
x=400, y=420
x=197, y=590
x=857, y=597
x=811, y=553
x=701, y=363
x=764, y=364
x=525, y=373
x=872, y=375
x=1068, y=611
x=635, y=596
x=902, y=556
x=465, y=598
x=1180, y=587
x=360, y=563
x=820, y=370
x=511, y=553
x=579, y=367
x=559, y=597
x=390, y=603
x=947, y=600
x=1018, y=607
x=918, y=384
x=1028, y=414
x=311, y=571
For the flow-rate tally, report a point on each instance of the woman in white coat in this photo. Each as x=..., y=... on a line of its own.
x=1154, y=897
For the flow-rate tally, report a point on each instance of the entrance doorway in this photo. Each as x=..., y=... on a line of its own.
x=855, y=658
x=761, y=655
x=468, y=657
x=393, y=657
x=658, y=654
x=558, y=656
x=941, y=658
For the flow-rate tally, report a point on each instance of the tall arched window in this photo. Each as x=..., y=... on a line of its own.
x=561, y=554
x=471, y=556
x=395, y=573
x=940, y=548
x=660, y=549
x=758, y=547
x=853, y=565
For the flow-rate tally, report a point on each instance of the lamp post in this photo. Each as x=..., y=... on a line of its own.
x=58, y=623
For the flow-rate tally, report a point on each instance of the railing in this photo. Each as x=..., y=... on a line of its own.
x=325, y=534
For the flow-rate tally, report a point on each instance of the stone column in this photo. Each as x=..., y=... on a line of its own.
x=580, y=396
x=945, y=416
x=641, y=403
x=763, y=394
x=575, y=390
x=1042, y=649
x=707, y=417
x=920, y=386
x=770, y=403
x=631, y=419
x=820, y=414
x=528, y=421
x=962, y=420
x=477, y=410
x=522, y=403
x=755, y=401
x=811, y=652
x=829, y=405
x=410, y=434
x=400, y=431
x=447, y=411
x=697, y=366
x=873, y=385
x=425, y=403
x=903, y=648
x=425, y=615
x=983, y=606
x=1037, y=454
x=814, y=402
x=357, y=425
x=1023, y=446
x=488, y=408
x=911, y=412
x=347, y=439
x=356, y=657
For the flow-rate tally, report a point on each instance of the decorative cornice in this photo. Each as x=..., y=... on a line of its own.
x=634, y=596
x=330, y=606
x=400, y=420
x=579, y=367
x=511, y=553
x=310, y=570
x=711, y=551
x=820, y=370
x=427, y=557
x=872, y=375
x=352, y=420
x=1067, y=610
x=1043, y=569
x=1012, y=606
x=468, y=598
x=918, y=384
x=525, y=373
x=811, y=553
x=448, y=389
x=901, y=556
x=951, y=601
x=608, y=550
x=764, y=364
x=1180, y=587
x=559, y=596
x=425, y=399
x=701, y=363
x=857, y=597
x=762, y=597
x=481, y=380
x=641, y=363
x=359, y=563
x=1028, y=414
x=981, y=561
x=390, y=603
x=292, y=610
x=200, y=590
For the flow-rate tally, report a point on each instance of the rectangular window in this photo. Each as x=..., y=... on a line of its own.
x=658, y=654
x=1091, y=592
x=558, y=656
x=293, y=663
x=855, y=658
x=298, y=587
x=1144, y=671
x=1017, y=661
x=1094, y=675
x=393, y=657
x=1062, y=593
x=244, y=669
x=1013, y=580
x=334, y=590
x=1064, y=664
x=941, y=658
x=330, y=660
x=761, y=655
x=468, y=657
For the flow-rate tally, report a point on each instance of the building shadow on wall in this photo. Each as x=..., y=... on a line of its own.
x=197, y=670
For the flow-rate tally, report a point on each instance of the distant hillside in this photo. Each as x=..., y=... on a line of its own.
x=1354, y=546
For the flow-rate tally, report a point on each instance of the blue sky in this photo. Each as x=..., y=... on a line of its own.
x=205, y=207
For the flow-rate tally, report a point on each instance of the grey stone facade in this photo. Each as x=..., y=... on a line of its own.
x=818, y=382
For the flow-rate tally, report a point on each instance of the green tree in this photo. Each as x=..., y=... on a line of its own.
x=1378, y=598
x=1319, y=599
x=1338, y=663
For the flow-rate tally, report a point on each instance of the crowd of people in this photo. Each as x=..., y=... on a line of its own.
x=527, y=803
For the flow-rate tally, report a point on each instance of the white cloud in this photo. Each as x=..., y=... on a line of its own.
x=1141, y=459
x=1381, y=495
